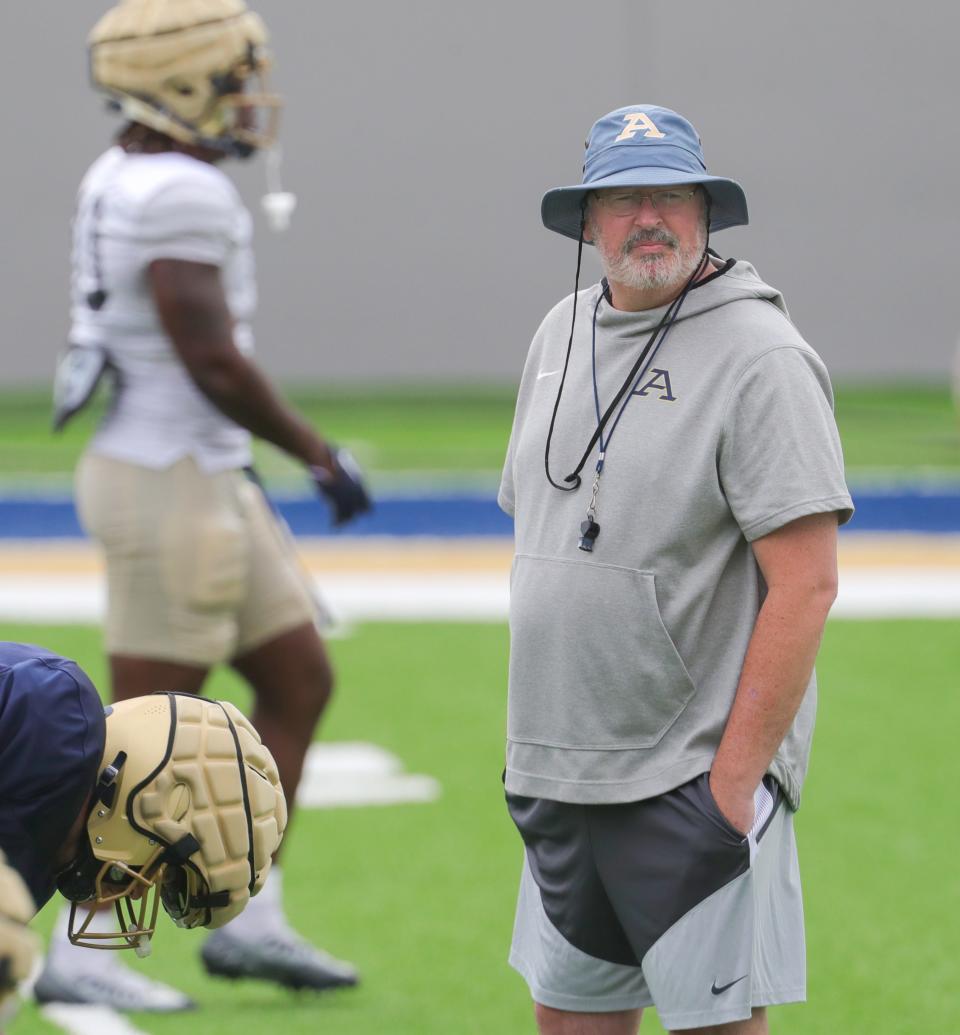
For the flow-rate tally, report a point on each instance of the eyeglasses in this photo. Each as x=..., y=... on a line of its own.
x=628, y=203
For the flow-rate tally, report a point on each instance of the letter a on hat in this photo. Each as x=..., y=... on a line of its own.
x=636, y=121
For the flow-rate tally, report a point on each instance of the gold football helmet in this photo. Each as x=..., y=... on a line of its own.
x=187, y=813
x=186, y=68
x=18, y=945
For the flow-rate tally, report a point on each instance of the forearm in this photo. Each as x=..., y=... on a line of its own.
x=773, y=680
x=193, y=309
x=238, y=388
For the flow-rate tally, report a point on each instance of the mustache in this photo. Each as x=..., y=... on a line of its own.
x=651, y=236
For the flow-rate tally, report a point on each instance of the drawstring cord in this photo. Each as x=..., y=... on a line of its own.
x=566, y=361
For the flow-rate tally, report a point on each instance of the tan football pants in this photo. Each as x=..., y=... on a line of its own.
x=198, y=569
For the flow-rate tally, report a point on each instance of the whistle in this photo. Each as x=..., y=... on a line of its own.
x=589, y=530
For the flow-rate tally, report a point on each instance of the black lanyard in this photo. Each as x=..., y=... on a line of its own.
x=590, y=528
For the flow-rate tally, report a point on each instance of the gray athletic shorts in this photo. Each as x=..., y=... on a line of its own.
x=660, y=903
x=198, y=569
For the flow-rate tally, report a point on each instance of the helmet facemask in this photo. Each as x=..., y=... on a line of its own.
x=244, y=113
x=134, y=895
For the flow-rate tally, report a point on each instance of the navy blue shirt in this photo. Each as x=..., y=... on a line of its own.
x=52, y=734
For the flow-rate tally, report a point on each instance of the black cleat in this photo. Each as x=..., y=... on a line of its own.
x=282, y=957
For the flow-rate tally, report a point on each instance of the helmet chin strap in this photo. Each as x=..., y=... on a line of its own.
x=278, y=204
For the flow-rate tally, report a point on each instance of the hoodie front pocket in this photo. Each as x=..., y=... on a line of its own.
x=592, y=665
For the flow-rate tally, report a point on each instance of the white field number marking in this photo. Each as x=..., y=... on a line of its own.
x=88, y=1020
x=355, y=774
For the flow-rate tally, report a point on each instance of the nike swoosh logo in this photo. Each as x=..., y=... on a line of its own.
x=718, y=990
x=547, y=373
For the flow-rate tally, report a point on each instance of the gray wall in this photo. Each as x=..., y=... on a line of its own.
x=421, y=136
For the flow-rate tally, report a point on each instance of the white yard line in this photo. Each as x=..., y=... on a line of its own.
x=902, y=592
x=888, y=592
x=48, y=598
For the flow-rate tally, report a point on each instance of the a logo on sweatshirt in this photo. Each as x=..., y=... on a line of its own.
x=658, y=382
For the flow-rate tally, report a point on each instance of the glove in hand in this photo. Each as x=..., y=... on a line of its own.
x=344, y=488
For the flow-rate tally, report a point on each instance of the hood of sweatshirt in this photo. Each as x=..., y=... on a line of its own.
x=736, y=280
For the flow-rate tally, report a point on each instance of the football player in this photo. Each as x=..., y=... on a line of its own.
x=198, y=571
x=166, y=799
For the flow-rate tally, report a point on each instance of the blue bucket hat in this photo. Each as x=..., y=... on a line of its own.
x=643, y=145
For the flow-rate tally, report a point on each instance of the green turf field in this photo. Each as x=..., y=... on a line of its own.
x=421, y=896
x=445, y=432
x=456, y=433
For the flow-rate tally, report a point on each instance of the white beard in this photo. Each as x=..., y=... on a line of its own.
x=670, y=269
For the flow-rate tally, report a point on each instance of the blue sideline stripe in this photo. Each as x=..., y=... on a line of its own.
x=33, y=517
x=454, y=515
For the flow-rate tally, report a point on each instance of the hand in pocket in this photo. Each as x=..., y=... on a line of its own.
x=737, y=809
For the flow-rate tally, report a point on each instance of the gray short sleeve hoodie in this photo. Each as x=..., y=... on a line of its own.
x=625, y=661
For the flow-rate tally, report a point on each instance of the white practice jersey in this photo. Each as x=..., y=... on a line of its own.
x=132, y=209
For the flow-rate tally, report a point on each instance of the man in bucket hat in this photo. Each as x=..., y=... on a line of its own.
x=666, y=606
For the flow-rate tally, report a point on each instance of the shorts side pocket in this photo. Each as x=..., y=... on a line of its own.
x=205, y=551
